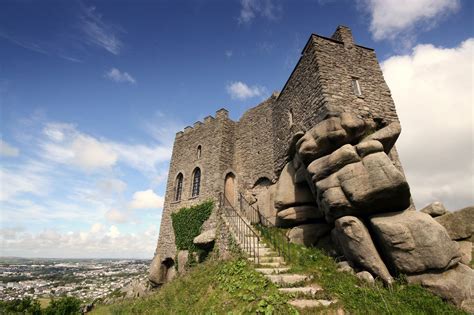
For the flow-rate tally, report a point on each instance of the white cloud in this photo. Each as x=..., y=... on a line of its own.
x=146, y=200
x=142, y=157
x=390, y=18
x=72, y=147
x=98, y=32
x=117, y=216
x=7, y=149
x=30, y=177
x=97, y=228
x=433, y=90
x=240, y=90
x=258, y=8
x=116, y=75
x=113, y=232
x=90, y=153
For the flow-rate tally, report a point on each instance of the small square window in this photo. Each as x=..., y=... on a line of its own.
x=356, y=87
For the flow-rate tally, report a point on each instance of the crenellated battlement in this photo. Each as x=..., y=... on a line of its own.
x=221, y=114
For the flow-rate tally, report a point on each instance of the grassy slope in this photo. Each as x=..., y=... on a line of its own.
x=358, y=297
x=210, y=288
x=234, y=287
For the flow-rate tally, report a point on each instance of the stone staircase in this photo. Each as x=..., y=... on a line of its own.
x=302, y=291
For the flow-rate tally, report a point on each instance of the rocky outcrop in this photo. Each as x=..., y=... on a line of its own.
x=346, y=165
x=348, y=171
x=465, y=248
x=366, y=277
x=372, y=185
x=265, y=204
x=459, y=224
x=162, y=270
x=455, y=285
x=288, y=193
x=358, y=247
x=297, y=215
x=206, y=239
x=182, y=257
x=329, y=135
x=414, y=242
x=434, y=209
x=308, y=234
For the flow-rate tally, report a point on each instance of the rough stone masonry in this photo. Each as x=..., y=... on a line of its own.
x=319, y=158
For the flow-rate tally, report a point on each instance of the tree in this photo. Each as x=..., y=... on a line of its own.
x=26, y=306
x=66, y=305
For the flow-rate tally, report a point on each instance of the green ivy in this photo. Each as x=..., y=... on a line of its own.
x=187, y=223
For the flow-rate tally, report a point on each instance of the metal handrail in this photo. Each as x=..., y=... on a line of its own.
x=280, y=244
x=248, y=238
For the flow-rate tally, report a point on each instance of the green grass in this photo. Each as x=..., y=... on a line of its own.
x=231, y=287
x=358, y=297
x=44, y=302
x=234, y=287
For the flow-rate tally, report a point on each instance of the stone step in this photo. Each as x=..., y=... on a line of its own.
x=308, y=290
x=306, y=303
x=271, y=264
x=262, y=252
x=287, y=279
x=264, y=259
x=272, y=271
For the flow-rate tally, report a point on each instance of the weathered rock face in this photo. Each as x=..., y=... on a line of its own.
x=161, y=270
x=459, y=224
x=137, y=288
x=358, y=247
x=328, y=135
x=455, y=285
x=308, y=234
x=414, y=242
x=266, y=205
x=465, y=247
x=183, y=256
x=365, y=276
x=288, y=193
x=206, y=239
x=434, y=209
x=350, y=174
x=297, y=215
x=372, y=185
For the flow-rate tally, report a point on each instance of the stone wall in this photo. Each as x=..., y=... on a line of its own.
x=254, y=145
x=214, y=135
x=257, y=146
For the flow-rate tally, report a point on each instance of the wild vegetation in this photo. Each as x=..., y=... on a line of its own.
x=65, y=305
x=357, y=296
x=234, y=287
x=187, y=224
x=231, y=287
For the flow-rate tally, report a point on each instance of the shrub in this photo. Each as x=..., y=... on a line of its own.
x=66, y=305
x=26, y=306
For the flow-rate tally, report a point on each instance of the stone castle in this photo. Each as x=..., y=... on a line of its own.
x=336, y=89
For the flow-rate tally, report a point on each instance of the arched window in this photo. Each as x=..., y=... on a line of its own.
x=178, y=187
x=196, y=182
x=199, y=152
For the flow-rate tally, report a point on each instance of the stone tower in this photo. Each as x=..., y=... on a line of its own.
x=333, y=75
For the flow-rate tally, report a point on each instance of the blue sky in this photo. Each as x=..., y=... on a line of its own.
x=92, y=93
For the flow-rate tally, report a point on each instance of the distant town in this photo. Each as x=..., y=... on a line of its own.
x=86, y=279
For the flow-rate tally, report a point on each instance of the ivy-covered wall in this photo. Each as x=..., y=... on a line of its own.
x=187, y=223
